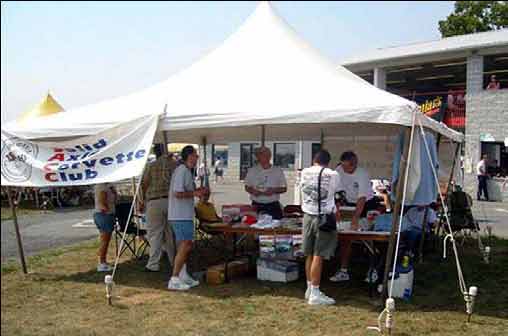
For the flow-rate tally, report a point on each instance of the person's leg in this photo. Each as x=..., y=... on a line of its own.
x=182, y=253
x=155, y=227
x=345, y=254
x=326, y=243
x=308, y=264
x=485, y=188
x=315, y=271
x=169, y=239
x=342, y=273
x=184, y=234
x=104, y=223
x=480, y=187
x=105, y=238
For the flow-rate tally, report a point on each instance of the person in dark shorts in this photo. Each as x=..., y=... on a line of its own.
x=104, y=218
x=318, y=244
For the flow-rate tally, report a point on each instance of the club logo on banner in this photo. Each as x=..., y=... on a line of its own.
x=114, y=154
x=16, y=154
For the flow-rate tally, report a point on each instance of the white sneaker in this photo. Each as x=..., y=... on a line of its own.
x=340, y=276
x=177, y=284
x=320, y=299
x=372, y=276
x=103, y=267
x=307, y=293
x=188, y=280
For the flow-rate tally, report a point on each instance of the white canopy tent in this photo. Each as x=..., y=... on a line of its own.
x=264, y=74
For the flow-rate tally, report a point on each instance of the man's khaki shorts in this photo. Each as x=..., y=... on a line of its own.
x=317, y=242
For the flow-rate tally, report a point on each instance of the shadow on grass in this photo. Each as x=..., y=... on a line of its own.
x=435, y=287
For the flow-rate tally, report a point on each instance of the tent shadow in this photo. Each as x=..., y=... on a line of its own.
x=435, y=287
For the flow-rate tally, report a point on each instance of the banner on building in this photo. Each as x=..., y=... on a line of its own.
x=112, y=155
x=448, y=108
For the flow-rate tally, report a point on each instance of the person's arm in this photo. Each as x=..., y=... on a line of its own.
x=103, y=201
x=249, y=182
x=363, y=192
x=253, y=191
x=360, y=204
x=282, y=183
x=180, y=190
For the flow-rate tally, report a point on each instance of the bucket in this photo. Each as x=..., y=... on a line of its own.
x=403, y=282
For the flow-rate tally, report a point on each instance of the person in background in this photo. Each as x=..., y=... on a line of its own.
x=265, y=183
x=380, y=191
x=104, y=218
x=481, y=172
x=203, y=174
x=154, y=201
x=317, y=244
x=219, y=170
x=355, y=182
x=493, y=84
x=205, y=210
x=182, y=191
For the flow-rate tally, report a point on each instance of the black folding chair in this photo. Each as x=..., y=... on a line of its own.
x=129, y=242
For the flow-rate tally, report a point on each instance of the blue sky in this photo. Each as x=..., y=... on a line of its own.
x=84, y=52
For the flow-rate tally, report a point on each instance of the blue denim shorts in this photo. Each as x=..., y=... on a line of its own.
x=183, y=229
x=104, y=222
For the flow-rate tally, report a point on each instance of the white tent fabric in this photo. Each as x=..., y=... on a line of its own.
x=264, y=74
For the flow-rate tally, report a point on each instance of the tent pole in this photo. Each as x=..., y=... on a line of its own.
x=18, y=234
x=452, y=173
x=263, y=135
x=322, y=139
x=205, y=183
x=396, y=210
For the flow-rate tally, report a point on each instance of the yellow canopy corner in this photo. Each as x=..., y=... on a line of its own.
x=46, y=107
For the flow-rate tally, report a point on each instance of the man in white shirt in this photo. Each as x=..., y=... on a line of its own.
x=355, y=182
x=318, y=244
x=265, y=183
x=481, y=171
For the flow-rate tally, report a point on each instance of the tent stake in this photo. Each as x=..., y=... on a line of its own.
x=396, y=210
x=18, y=234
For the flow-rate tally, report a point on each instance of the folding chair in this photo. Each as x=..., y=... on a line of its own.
x=129, y=243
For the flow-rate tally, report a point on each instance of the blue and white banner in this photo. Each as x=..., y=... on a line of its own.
x=112, y=155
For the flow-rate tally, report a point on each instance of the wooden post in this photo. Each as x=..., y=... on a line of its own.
x=399, y=187
x=165, y=137
x=18, y=234
x=263, y=135
x=322, y=139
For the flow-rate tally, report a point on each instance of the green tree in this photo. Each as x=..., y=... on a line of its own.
x=474, y=17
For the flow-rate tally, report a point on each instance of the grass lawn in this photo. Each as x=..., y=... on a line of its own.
x=63, y=295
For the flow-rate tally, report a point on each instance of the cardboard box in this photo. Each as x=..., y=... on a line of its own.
x=277, y=270
x=215, y=275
